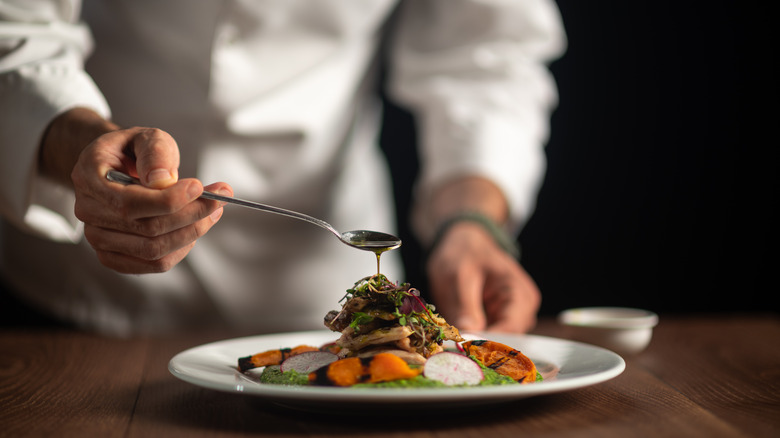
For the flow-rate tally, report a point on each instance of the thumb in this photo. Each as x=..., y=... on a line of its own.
x=157, y=158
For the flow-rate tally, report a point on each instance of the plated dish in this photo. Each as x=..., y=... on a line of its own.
x=566, y=365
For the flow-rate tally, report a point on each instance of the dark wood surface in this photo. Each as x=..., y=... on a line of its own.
x=702, y=376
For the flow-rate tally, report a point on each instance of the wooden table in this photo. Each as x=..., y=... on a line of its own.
x=703, y=376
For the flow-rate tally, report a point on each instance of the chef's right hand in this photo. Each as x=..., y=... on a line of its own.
x=143, y=228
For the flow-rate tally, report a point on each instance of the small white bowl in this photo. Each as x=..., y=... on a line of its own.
x=623, y=330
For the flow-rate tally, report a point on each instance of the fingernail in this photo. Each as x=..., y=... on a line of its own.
x=158, y=175
x=223, y=192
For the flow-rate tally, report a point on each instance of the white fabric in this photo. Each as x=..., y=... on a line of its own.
x=275, y=98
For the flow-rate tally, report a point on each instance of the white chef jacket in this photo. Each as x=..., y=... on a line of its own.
x=276, y=98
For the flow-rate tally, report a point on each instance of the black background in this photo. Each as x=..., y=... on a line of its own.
x=661, y=176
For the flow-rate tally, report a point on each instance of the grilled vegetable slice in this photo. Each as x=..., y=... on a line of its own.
x=344, y=372
x=503, y=359
x=271, y=357
x=453, y=369
x=384, y=367
x=308, y=361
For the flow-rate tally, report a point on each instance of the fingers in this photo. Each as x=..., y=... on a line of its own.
x=157, y=243
x=137, y=254
x=141, y=228
x=470, y=316
x=126, y=264
x=150, y=153
x=477, y=286
x=458, y=297
x=140, y=210
x=512, y=304
x=151, y=242
x=457, y=279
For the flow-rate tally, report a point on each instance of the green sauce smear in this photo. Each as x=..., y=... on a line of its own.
x=274, y=375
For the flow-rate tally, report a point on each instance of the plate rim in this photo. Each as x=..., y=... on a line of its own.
x=241, y=384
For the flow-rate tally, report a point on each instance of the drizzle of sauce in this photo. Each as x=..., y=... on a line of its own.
x=377, y=247
x=378, y=252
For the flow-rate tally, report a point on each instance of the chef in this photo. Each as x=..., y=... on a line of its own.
x=273, y=101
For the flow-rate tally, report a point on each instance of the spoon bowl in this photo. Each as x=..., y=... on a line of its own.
x=370, y=240
x=366, y=240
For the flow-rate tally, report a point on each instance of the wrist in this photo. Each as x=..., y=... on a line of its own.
x=64, y=139
x=500, y=236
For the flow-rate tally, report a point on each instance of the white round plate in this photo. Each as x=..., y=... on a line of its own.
x=566, y=365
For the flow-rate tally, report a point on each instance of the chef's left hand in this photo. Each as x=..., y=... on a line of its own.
x=477, y=286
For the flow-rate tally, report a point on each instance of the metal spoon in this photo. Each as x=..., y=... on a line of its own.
x=366, y=240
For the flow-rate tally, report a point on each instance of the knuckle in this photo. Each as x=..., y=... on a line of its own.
x=165, y=264
x=161, y=250
x=154, y=140
x=151, y=250
x=153, y=133
x=121, y=206
x=200, y=228
x=154, y=226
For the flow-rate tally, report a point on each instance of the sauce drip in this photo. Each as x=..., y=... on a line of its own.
x=378, y=252
x=377, y=247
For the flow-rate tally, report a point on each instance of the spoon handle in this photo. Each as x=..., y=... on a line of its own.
x=125, y=179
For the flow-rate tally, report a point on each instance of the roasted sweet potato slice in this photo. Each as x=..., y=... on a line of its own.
x=384, y=367
x=344, y=372
x=271, y=357
x=503, y=359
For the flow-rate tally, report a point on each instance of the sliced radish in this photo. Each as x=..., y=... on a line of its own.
x=453, y=369
x=307, y=362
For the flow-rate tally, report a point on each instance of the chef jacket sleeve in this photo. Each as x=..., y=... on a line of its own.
x=474, y=74
x=42, y=52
